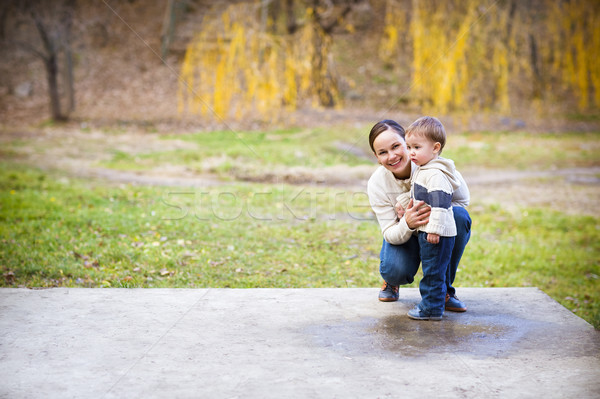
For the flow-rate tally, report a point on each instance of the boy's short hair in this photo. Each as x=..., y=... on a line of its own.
x=430, y=128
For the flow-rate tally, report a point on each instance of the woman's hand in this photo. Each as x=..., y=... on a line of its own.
x=417, y=214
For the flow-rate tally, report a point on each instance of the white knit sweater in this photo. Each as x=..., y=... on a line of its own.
x=383, y=189
x=435, y=183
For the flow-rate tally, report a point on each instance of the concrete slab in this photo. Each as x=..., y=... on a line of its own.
x=273, y=343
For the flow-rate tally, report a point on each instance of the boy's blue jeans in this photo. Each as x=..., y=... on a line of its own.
x=435, y=261
x=399, y=263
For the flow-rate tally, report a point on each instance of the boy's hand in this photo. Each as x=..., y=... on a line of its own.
x=433, y=238
x=399, y=210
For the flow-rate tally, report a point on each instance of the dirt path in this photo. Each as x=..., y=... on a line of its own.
x=574, y=191
x=78, y=153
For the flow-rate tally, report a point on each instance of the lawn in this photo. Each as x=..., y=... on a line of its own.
x=222, y=152
x=58, y=231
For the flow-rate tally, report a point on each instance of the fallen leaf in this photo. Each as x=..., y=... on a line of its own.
x=216, y=263
x=9, y=277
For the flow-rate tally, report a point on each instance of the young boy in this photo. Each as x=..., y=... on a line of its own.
x=433, y=182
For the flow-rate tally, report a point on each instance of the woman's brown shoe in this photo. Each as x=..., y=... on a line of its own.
x=388, y=293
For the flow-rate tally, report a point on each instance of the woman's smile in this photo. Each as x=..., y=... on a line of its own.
x=390, y=150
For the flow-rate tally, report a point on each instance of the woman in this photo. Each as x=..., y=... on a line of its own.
x=399, y=257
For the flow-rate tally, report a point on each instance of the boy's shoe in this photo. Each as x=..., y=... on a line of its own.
x=454, y=304
x=388, y=293
x=418, y=314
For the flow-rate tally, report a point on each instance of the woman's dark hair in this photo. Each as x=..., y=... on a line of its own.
x=380, y=127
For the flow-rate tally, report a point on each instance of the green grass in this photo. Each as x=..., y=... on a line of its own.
x=558, y=253
x=521, y=150
x=74, y=234
x=225, y=152
x=221, y=151
x=58, y=232
x=584, y=117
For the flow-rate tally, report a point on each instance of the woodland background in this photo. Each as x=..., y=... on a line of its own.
x=229, y=62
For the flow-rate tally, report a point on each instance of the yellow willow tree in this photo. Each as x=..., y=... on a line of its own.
x=574, y=52
x=498, y=55
x=390, y=44
x=440, y=72
x=236, y=68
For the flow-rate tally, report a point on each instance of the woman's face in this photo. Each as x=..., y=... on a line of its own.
x=390, y=150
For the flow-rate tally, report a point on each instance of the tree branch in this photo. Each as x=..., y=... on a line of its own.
x=291, y=23
x=328, y=28
x=31, y=49
x=43, y=33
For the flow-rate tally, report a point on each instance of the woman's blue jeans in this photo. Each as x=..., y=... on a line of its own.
x=399, y=263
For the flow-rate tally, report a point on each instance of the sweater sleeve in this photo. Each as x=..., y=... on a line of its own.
x=461, y=196
x=438, y=222
x=394, y=231
x=403, y=199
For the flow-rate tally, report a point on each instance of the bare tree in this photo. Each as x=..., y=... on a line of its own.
x=52, y=22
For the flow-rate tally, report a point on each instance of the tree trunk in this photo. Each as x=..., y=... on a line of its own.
x=291, y=24
x=52, y=73
x=537, y=76
x=69, y=86
x=68, y=71
x=51, y=64
x=264, y=14
x=4, y=9
x=168, y=29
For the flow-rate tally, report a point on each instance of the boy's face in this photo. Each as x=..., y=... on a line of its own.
x=422, y=150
